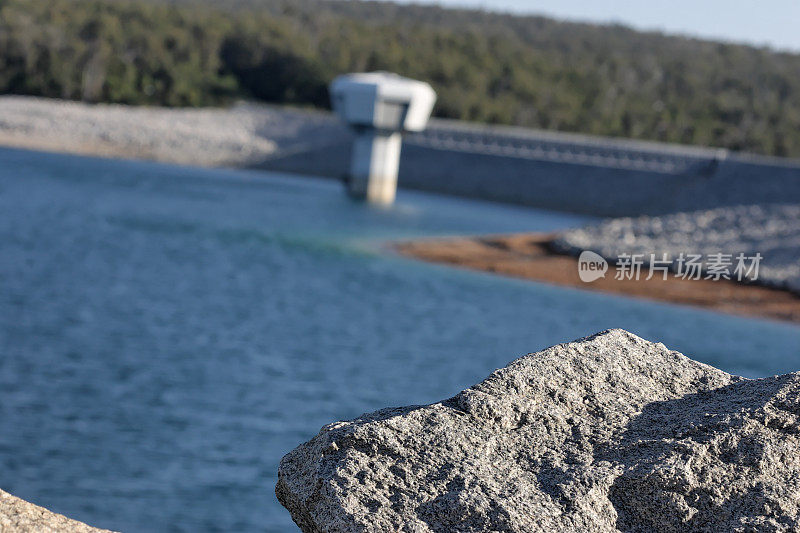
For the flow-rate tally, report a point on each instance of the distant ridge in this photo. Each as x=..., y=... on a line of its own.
x=496, y=68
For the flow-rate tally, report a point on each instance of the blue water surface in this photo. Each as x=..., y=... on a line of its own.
x=168, y=333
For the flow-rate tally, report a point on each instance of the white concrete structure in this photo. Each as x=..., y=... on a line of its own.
x=379, y=106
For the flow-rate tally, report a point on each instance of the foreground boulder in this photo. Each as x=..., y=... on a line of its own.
x=607, y=433
x=20, y=516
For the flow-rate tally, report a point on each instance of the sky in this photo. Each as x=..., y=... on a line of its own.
x=775, y=23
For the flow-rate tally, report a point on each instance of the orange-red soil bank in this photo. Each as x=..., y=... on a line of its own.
x=530, y=256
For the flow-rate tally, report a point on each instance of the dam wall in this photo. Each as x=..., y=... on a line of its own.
x=577, y=173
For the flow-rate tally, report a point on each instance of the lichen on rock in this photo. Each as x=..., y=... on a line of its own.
x=607, y=433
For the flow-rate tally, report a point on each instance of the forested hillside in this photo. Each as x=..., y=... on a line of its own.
x=528, y=71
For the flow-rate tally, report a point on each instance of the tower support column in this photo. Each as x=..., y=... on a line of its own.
x=374, y=165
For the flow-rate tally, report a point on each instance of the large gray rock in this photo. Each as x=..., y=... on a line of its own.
x=607, y=433
x=20, y=516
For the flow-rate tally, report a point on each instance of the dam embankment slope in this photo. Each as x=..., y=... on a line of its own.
x=579, y=173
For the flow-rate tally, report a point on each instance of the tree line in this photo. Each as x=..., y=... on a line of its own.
x=495, y=68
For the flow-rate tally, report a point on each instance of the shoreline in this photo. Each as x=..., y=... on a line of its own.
x=532, y=256
x=593, y=175
x=285, y=139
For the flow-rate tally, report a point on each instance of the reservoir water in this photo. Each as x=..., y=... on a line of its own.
x=168, y=333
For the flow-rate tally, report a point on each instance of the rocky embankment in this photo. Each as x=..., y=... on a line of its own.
x=770, y=230
x=19, y=516
x=608, y=433
x=554, y=170
x=240, y=136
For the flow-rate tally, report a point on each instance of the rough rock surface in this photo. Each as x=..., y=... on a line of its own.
x=607, y=433
x=20, y=516
x=771, y=230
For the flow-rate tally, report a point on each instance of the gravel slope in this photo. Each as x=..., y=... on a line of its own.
x=771, y=230
x=242, y=135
